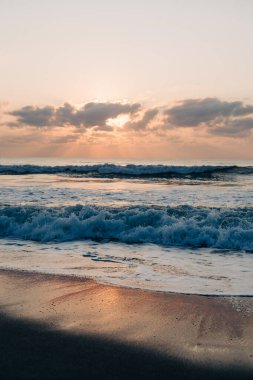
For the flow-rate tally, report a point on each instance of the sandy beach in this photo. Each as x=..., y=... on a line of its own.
x=62, y=328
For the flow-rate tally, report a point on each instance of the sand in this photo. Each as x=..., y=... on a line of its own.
x=56, y=327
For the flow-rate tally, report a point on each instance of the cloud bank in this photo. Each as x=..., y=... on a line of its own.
x=210, y=116
x=218, y=117
x=90, y=115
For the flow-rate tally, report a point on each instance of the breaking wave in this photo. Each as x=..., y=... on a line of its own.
x=130, y=170
x=182, y=226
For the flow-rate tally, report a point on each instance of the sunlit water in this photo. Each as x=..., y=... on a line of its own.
x=187, y=230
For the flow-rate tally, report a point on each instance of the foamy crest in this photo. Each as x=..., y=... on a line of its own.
x=183, y=226
x=130, y=170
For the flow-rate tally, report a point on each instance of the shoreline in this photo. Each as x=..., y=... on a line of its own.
x=125, y=286
x=208, y=332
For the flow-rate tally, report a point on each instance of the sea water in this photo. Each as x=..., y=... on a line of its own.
x=170, y=225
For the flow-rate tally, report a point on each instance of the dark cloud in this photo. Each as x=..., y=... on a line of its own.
x=104, y=127
x=96, y=114
x=90, y=115
x=243, y=110
x=65, y=115
x=148, y=116
x=64, y=139
x=35, y=116
x=234, y=128
x=193, y=112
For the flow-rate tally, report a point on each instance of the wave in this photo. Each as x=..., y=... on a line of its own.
x=182, y=226
x=130, y=170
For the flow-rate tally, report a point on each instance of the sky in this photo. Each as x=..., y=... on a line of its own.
x=132, y=79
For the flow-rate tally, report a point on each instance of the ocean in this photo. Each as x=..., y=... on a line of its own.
x=174, y=226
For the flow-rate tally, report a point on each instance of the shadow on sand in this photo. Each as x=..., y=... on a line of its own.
x=28, y=350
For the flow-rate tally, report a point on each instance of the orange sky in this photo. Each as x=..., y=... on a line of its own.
x=165, y=79
x=200, y=128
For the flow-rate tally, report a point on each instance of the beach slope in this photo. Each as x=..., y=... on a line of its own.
x=55, y=327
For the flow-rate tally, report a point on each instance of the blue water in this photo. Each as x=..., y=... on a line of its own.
x=173, y=226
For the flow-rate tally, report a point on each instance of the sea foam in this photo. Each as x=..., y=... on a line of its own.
x=182, y=226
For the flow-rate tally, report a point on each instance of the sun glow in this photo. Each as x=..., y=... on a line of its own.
x=118, y=121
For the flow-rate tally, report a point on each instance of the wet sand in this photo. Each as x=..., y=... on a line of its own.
x=55, y=327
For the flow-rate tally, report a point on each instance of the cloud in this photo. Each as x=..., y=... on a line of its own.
x=90, y=115
x=64, y=139
x=96, y=114
x=234, y=128
x=34, y=116
x=193, y=112
x=208, y=116
x=141, y=124
x=243, y=110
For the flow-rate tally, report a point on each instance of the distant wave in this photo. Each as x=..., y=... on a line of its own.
x=183, y=226
x=131, y=170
